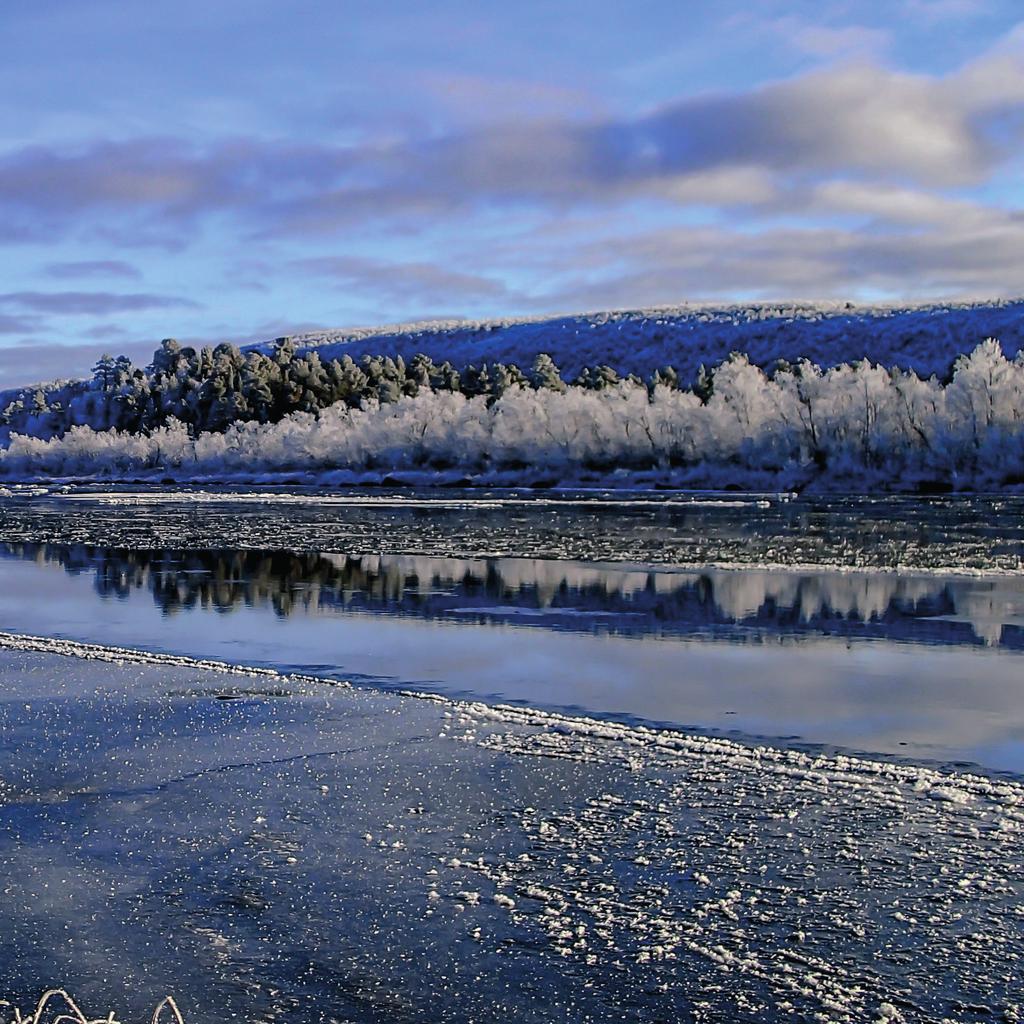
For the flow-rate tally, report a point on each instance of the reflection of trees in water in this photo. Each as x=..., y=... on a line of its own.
x=620, y=599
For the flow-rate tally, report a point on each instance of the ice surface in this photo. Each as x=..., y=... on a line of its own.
x=952, y=535
x=272, y=849
x=924, y=666
x=269, y=845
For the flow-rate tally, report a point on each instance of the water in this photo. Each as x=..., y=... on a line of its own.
x=927, y=667
x=973, y=533
x=269, y=847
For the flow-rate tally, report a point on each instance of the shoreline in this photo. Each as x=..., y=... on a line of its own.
x=457, y=853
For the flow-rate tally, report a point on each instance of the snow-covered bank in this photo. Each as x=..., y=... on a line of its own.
x=854, y=427
x=131, y=656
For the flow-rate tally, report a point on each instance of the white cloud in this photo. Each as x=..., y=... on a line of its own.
x=897, y=206
x=978, y=258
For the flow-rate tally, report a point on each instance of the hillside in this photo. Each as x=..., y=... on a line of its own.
x=835, y=395
x=926, y=339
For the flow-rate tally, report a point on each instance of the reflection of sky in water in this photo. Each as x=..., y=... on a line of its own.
x=763, y=652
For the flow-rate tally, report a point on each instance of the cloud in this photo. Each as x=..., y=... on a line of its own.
x=37, y=362
x=103, y=332
x=478, y=97
x=18, y=324
x=165, y=185
x=92, y=303
x=811, y=39
x=896, y=207
x=406, y=284
x=977, y=258
x=851, y=179
x=723, y=187
x=856, y=120
x=844, y=41
x=92, y=268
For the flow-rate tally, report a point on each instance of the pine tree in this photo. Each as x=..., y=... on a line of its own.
x=545, y=374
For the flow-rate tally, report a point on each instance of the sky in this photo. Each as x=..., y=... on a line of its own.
x=243, y=169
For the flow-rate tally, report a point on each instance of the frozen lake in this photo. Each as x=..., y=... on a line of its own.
x=635, y=787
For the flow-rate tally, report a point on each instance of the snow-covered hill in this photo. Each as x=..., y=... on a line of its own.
x=923, y=338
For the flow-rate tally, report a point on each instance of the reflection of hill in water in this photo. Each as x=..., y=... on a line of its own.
x=737, y=605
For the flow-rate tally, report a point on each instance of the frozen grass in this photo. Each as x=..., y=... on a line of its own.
x=57, y=1007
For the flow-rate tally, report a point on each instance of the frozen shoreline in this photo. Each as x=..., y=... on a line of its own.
x=744, y=486
x=664, y=874
x=663, y=738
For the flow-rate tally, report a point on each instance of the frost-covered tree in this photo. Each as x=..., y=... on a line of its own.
x=220, y=410
x=545, y=375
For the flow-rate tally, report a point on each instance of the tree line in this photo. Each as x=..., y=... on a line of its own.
x=855, y=426
x=211, y=388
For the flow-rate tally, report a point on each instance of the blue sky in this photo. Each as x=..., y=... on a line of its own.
x=237, y=170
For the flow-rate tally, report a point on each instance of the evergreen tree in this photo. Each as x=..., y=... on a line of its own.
x=545, y=374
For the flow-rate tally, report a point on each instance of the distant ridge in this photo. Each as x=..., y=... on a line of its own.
x=926, y=338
